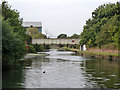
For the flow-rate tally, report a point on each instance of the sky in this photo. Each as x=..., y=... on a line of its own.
x=58, y=16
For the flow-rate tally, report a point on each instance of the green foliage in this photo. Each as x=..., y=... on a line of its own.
x=39, y=36
x=31, y=49
x=61, y=36
x=103, y=28
x=13, y=48
x=39, y=48
x=74, y=36
x=33, y=32
x=13, y=37
x=13, y=17
x=28, y=39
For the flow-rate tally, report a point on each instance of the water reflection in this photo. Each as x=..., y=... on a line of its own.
x=62, y=72
x=103, y=73
x=13, y=79
x=63, y=69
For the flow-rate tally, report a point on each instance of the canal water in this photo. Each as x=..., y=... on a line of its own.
x=63, y=69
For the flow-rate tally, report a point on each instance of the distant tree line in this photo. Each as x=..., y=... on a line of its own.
x=103, y=29
x=64, y=36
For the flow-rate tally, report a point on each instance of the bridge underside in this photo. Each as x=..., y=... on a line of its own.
x=56, y=41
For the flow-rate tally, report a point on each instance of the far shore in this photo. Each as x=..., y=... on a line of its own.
x=102, y=55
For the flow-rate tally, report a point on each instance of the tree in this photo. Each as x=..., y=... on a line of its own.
x=33, y=32
x=75, y=36
x=13, y=17
x=61, y=36
x=102, y=29
x=13, y=37
x=13, y=48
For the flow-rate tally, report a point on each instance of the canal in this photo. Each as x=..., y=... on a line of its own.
x=63, y=69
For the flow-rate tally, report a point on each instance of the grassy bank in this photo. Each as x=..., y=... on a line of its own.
x=103, y=55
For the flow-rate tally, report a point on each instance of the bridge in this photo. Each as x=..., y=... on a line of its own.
x=56, y=41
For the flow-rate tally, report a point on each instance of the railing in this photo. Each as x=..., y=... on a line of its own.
x=56, y=41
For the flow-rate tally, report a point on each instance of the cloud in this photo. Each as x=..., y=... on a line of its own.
x=66, y=16
x=60, y=1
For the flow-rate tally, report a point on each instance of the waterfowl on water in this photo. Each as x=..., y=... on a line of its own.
x=44, y=72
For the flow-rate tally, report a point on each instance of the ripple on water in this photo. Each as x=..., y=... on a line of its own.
x=112, y=75
x=64, y=70
x=27, y=67
x=106, y=79
x=99, y=78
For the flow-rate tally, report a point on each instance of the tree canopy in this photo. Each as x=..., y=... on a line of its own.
x=13, y=36
x=74, y=36
x=62, y=36
x=34, y=33
x=13, y=48
x=103, y=28
x=12, y=16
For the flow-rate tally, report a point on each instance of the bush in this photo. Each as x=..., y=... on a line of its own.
x=31, y=49
x=39, y=48
x=28, y=39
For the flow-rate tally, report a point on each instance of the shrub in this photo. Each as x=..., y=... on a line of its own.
x=39, y=48
x=31, y=49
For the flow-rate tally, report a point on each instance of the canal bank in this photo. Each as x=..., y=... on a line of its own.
x=102, y=55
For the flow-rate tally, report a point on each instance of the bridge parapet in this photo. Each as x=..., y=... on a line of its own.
x=56, y=41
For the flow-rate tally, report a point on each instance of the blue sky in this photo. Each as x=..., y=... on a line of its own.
x=58, y=16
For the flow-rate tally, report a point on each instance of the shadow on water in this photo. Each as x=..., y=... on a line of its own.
x=13, y=79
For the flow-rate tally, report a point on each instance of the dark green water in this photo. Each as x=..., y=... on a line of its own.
x=63, y=69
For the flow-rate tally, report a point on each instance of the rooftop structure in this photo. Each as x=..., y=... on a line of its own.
x=34, y=24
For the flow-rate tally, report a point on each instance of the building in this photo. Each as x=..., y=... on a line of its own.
x=33, y=24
